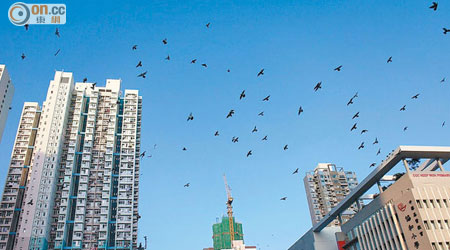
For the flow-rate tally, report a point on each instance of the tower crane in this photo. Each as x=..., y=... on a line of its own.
x=229, y=208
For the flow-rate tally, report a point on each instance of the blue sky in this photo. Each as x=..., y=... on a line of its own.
x=298, y=43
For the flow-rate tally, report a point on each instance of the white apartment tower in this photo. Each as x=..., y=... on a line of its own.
x=82, y=190
x=6, y=96
x=325, y=187
x=17, y=178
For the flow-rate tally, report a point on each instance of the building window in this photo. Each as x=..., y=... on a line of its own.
x=419, y=204
x=433, y=225
x=425, y=203
x=438, y=202
x=432, y=204
x=433, y=245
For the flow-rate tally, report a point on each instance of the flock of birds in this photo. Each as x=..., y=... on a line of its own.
x=316, y=88
x=260, y=73
x=229, y=115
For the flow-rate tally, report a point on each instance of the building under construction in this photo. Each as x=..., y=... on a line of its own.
x=222, y=235
x=228, y=234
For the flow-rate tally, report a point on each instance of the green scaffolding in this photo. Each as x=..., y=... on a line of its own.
x=221, y=234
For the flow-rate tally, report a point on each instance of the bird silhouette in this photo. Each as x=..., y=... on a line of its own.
x=217, y=133
x=356, y=115
x=446, y=31
x=30, y=202
x=93, y=85
x=204, y=65
x=338, y=68
x=405, y=128
x=235, y=139
x=187, y=185
x=379, y=151
x=403, y=108
x=142, y=154
x=283, y=198
x=376, y=141
x=443, y=124
x=254, y=130
x=364, y=131
x=231, y=113
x=190, y=117
x=184, y=148
x=318, y=86
x=207, y=25
x=443, y=80
x=350, y=101
x=134, y=47
x=242, y=95
x=264, y=138
x=168, y=58
x=261, y=113
x=57, y=52
x=285, y=147
x=249, y=153
x=26, y=26
x=415, y=96
x=57, y=32
x=164, y=41
x=85, y=79
x=389, y=60
x=139, y=64
x=266, y=98
x=361, y=146
x=228, y=70
x=194, y=61
x=300, y=110
x=354, y=127
x=261, y=72
x=434, y=6
x=23, y=56
x=295, y=171
x=143, y=75
x=372, y=165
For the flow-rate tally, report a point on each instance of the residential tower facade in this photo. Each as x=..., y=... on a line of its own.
x=325, y=187
x=6, y=96
x=83, y=187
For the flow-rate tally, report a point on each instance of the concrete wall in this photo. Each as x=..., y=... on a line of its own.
x=323, y=240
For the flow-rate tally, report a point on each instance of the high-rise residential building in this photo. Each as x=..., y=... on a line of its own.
x=325, y=187
x=82, y=188
x=17, y=177
x=6, y=96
